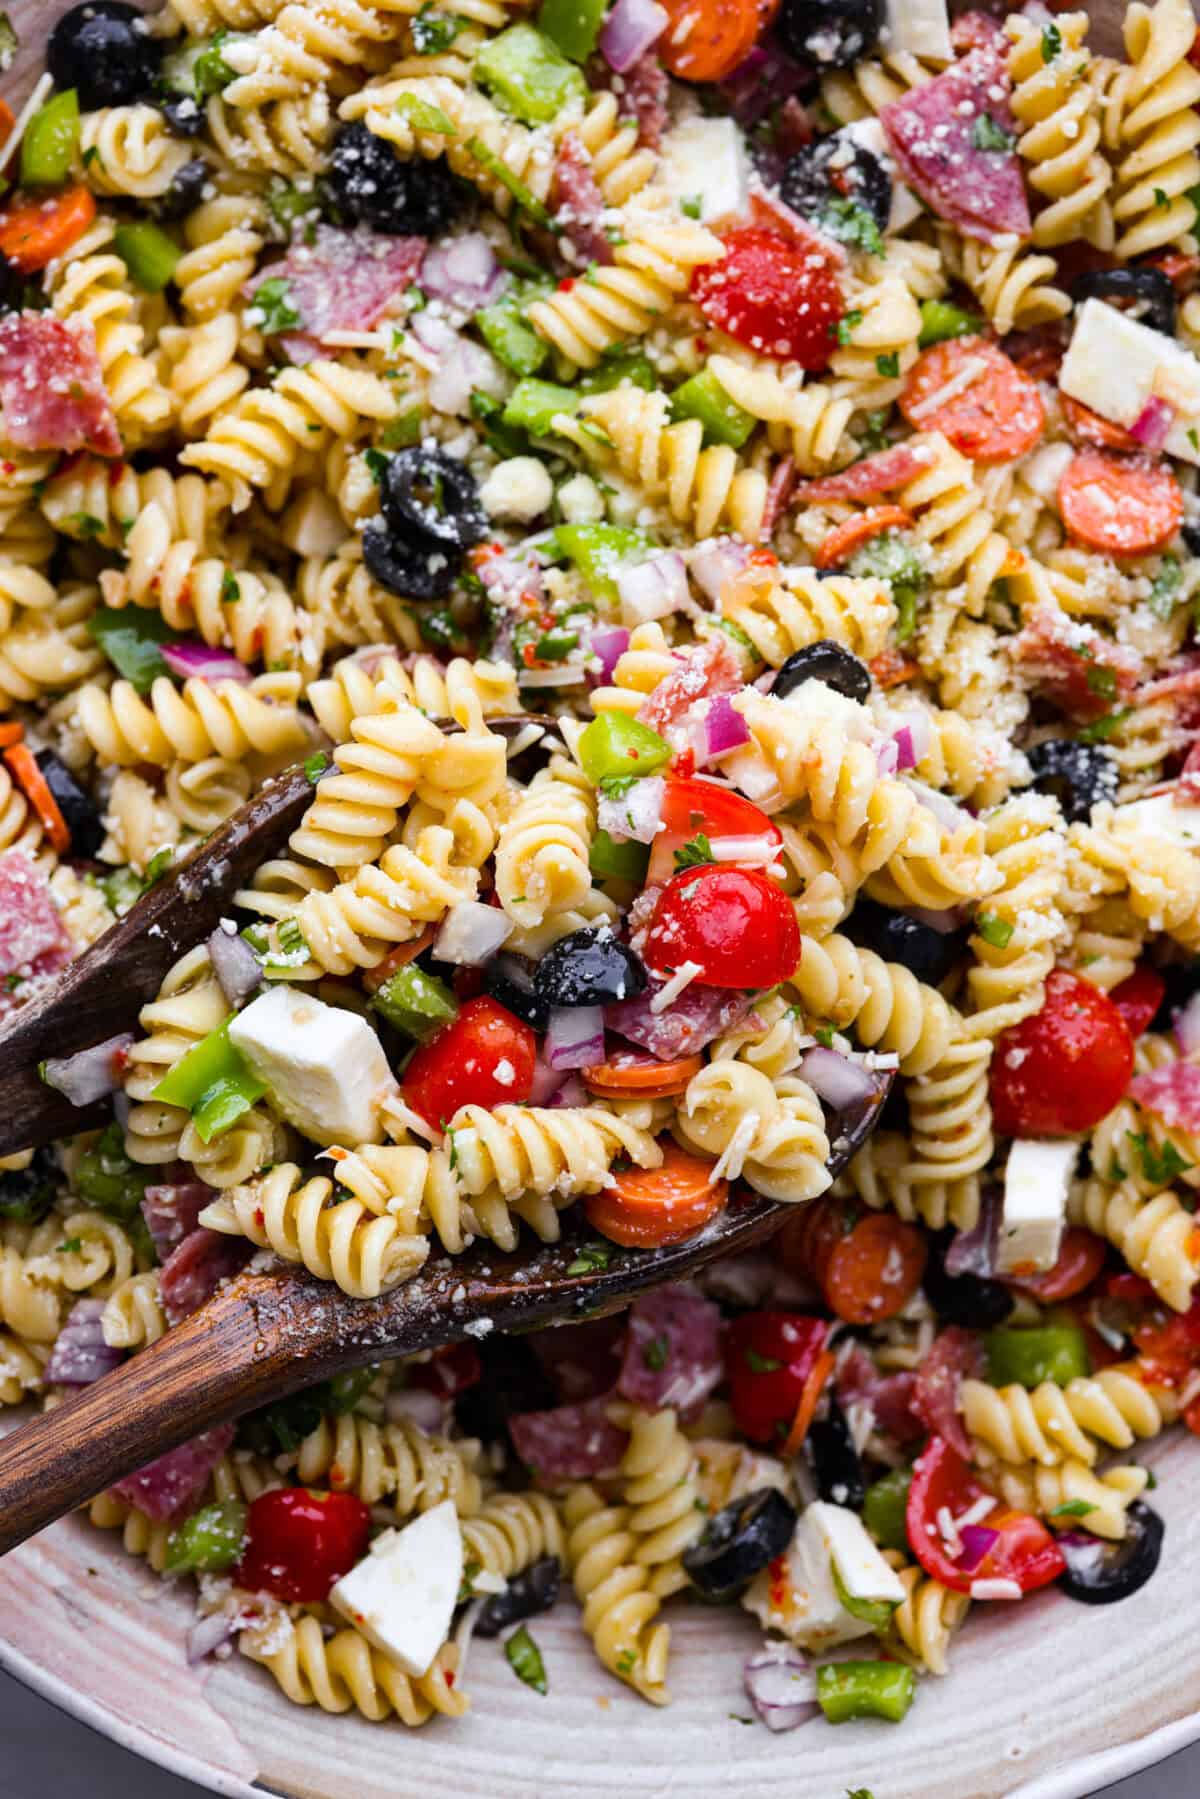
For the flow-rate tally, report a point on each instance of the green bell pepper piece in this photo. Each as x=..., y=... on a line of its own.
x=847, y=1690
x=130, y=638
x=48, y=147
x=199, y=70
x=574, y=25
x=599, y=550
x=529, y=73
x=533, y=406
x=1028, y=1356
x=107, y=1180
x=504, y=330
x=415, y=1002
x=209, y=1541
x=703, y=398
x=630, y=367
x=940, y=320
x=148, y=253
x=213, y=1083
x=885, y=1506
x=613, y=861
x=617, y=744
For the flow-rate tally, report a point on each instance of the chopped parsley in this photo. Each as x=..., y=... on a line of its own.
x=1162, y=199
x=696, y=853
x=889, y=364
x=593, y=1258
x=1102, y=681
x=691, y=207
x=274, y=306
x=315, y=766
x=231, y=593
x=1102, y=728
x=525, y=1659
x=423, y=115
x=1164, y=589
x=824, y=1035
x=654, y=1354
x=853, y=224
x=987, y=135
x=1051, y=42
x=760, y=1364
x=1159, y=1165
x=846, y=325
x=70, y=1246
x=377, y=463
x=1073, y=1508
x=434, y=31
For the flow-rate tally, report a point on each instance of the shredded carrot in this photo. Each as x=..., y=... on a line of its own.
x=814, y=1386
x=32, y=783
x=33, y=232
x=11, y=733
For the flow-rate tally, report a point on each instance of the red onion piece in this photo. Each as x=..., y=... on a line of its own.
x=631, y=28
x=724, y=727
x=888, y=755
x=977, y=1539
x=781, y=1686
x=767, y=77
x=943, y=808
x=237, y=968
x=546, y=1083
x=208, y=1634
x=976, y=1251
x=637, y=814
x=841, y=1083
x=654, y=588
x=90, y=1074
x=575, y=1037
x=471, y=933
x=464, y=272
x=716, y=563
x=188, y=659
x=571, y=1093
x=609, y=643
x=1152, y=426
x=80, y=1354
x=417, y=1405
x=1186, y=1026
x=462, y=366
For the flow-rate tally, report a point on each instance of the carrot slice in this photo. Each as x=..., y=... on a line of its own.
x=977, y=397
x=32, y=782
x=890, y=668
x=649, y=1080
x=1088, y=427
x=648, y=1207
x=1120, y=505
x=705, y=40
x=814, y=1386
x=34, y=232
x=10, y=734
x=400, y=957
x=845, y=538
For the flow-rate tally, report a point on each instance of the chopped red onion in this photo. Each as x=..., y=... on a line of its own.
x=888, y=754
x=575, y=1037
x=237, y=968
x=632, y=28
x=462, y=366
x=471, y=933
x=571, y=1093
x=977, y=1539
x=509, y=573
x=80, y=1354
x=720, y=560
x=637, y=814
x=913, y=739
x=976, y=1251
x=1186, y=1026
x=766, y=78
x=652, y=589
x=841, y=1083
x=417, y=1405
x=546, y=1083
x=188, y=659
x=90, y=1074
x=943, y=808
x=1152, y=426
x=464, y=272
x=724, y=727
x=208, y=1634
x=609, y=643
x=781, y=1686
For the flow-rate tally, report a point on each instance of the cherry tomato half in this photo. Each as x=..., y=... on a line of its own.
x=299, y=1543
x=1080, y=1260
x=1062, y=1069
x=1024, y=1550
x=485, y=1058
x=769, y=1357
x=734, y=923
x=1168, y=1346
x=775, y=296
x=1138, y=998
x=696, y=807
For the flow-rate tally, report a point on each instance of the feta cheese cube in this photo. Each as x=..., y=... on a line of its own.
x=1115, y=365
x=403, y=1593
x=860, y=1567
x=323, y=1066
x=1037, y=1181
x=1164, y=815
x=705, y=160
x=799, y=1597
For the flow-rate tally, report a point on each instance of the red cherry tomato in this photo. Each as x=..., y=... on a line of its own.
x=769, y=1359
x=1168, y=1345
x=449, y=1371
x=485, y=1058
x=775, y=296
x=696, y=806
x=1080, y=1260
x=1024, y=1550
x=299, y=1543
x=734, y=923
x=1062, y=1069
x=1138, y=998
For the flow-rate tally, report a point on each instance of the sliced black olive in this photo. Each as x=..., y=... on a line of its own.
x=513, y=1380
x=1100, y=1573
x=416, y=571
x=828, y=662
x=833, y=34
x=510, y=980
x=1079, y=775
x=835, y=1461
x=429, y=497
x=739, y=1542
x=185, y=192
x=528, y=1593
x=79, y=811
x=965, y=1299
x=1191, y=537
x=27, y=1194
x=832, y=169
x=104, y=50
x=185, y=118
x=917, y=946
x=372, y=185
x=1182, y=979
x=1149, y=287
x=588, y=968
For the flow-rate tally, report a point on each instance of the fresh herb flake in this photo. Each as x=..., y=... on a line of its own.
x=525, y=1660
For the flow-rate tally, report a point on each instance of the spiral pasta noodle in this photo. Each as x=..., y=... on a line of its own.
x=189, y=724
x=926, y=1619
x=133, y=1312
x=785, y=610
x=129, y=150
x=91, y=286
x=542, y=849
x=657, y=1481
x=346, y=1673
x=1156, y=1236
x=1052, y=1424
x=1053, y=103
x=619, y=1605
x=770, y=1132
x=883, y=1003
x=511, y=1531
x=1072, y=1490
x=397, y=1463
x=1152, y=125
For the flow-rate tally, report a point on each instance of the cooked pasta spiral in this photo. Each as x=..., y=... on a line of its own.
x=356, y=809
x=201, y=719
x=345, y=1673
x=128, y=150
x=927, y=1618
x=883, y=1003
x=511, y=1531
x=542, y=850
x=1044, y=1491
x=31, y=1305
x=657, y=1483
x=1014, y=943
x=133, y=1312
x=705, y=489
x=619, y=1606
x=1015, y=288
x=784, y=610
x=1152, y=124
x=881, y=1176
x=1052, y=1424
x=21, y=1367
x=1155, y=1235
x=397, y=1463
x=92, y=284
x=1054, y=105
x=770, y=1132
x=223, y=237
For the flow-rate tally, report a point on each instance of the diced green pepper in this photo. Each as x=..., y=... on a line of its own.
x=940, y=320
x=209, y=1541
x=415, y=1002
x=875, y=1612
x=847, y=1690
x=599, y=550
x=148, y=253
x=130, y=638
x=613, y=861
x=107, y=1180
x=213, y=1083
x=506, y=333
x=495, y=166
x=574, y=25
x=533, y=406
x=885, y=1506
x=555, y=646
x=618, y=744
x=200, y=70
x=1028, y=1356
x=48, y=147
x=703, y=398
x=529, y=73
x=629, y=366
x=122, y=888
x=490, y=413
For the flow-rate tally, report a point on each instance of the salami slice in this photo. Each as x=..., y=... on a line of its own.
x=341, y=281
x=953, y=139
x=52, y=392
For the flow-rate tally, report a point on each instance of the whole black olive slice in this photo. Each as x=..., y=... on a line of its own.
x=372, y=184
x=532, y=1591
x=1079, y=775
x=928, y=953
x=833, y=34
x=430, y=497
x=966, y=1299
x=828, y=662
x=416, y=571
x=510, y=980
x=1100, y=1573
x=739, y=1542
x=1150, y=287
x=79, y=811
x=835, y=1461
x=588, y=968
x=104, y=50
x=833, y=169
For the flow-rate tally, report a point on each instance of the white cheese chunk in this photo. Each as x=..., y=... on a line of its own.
x=705, y=160
x=324, y=1067
x=868, y=135
x=799, y=1597
x=1163, y=815
x=403, y=1593
x=860, y=1567
x=1036, y=1183
x=1115, y=365
x=920, y=27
